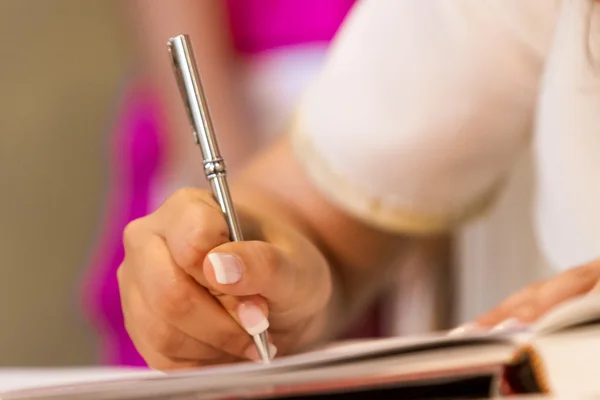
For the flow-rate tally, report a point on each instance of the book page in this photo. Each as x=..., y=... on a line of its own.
x=347, y=351
x=569, y=361
x=400, y=368
x=566, y=344
x=27, y=378
x=344, y=353
x=353, y=354
x=577, y=311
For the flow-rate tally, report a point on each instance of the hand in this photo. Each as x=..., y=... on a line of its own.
x=535, y=300
x=188, y=293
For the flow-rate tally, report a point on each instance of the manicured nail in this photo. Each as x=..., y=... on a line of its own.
x=252, y=318
x=508, y=324
x=465, y=329
x=252, y=353
x=272, y=350
x=228, y=268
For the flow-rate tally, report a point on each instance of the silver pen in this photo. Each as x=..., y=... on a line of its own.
x=190, y=86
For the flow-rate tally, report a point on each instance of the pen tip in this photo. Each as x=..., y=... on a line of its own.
x=262, y=345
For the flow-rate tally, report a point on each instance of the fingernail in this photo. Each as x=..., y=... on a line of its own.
x=228, y=268
x=252, y=353
x=272, y=350
x=507, y=324
x=465, y=329
x=252, y=318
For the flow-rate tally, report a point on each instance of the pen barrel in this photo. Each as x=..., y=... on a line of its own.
x=223, y=197
x=190, y=87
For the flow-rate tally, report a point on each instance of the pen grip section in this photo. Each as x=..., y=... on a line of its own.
x=223, y=197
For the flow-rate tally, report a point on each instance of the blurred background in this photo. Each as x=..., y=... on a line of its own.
x=63, y=62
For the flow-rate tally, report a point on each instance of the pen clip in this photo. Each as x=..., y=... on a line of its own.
x=190, y=88
x=179, y=79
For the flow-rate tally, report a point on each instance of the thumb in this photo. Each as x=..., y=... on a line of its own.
x=292, y=284
x=238, y=273
x=250, y=269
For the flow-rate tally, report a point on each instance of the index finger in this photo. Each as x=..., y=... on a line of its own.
x=192, y=224
x=534, y=301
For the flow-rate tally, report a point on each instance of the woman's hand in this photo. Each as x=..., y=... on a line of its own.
x=535, y=300
x=190, y=297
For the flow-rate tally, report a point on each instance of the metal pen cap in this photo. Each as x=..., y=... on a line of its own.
x=196, y=105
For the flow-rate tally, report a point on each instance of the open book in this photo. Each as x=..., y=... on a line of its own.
x=559, y=355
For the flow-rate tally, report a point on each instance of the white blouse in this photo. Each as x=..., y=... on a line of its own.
x=424, y=106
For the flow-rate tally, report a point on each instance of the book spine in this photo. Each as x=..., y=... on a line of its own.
x=524, y=374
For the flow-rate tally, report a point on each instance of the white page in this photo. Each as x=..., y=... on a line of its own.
x=122, y=379
x=579, y=310
x=28, y=378
x=340, y=352
x=569, y=313
x=175, y=384
x=364, y=348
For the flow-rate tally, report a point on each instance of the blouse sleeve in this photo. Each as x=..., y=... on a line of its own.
x=567, y=140
x=422, y=107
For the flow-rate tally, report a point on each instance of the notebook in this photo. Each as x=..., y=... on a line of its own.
x=558, y=356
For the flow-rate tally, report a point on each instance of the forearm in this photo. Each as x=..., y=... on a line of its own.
x=155, y=21
x=359, y=255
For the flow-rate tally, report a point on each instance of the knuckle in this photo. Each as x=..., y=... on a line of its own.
x=205, y=229
x=198, y=217
x=189, y=195
x=132, y=234
x=183, y=196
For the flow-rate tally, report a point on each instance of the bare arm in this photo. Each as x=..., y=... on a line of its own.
x=154, y=22
x=359, y=255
